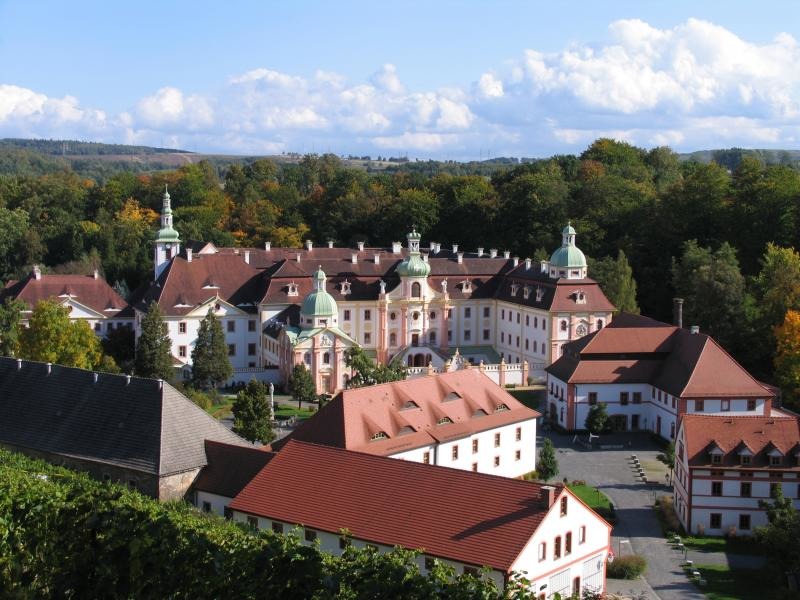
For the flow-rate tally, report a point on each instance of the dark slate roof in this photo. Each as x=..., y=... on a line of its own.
x=230, y=468
x=136, y=423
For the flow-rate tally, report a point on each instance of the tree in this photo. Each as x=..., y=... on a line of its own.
x=251, y=413
x=52, y=337
x=547, y=465
x=597, y=419
x=120, y=344
x=367, y=372
x=780, y=539
x=301, y=385
x=616, y=280
x=10, y=312
x=787, y=356
x=210, y=364
x=778, y=283
x=153, y=349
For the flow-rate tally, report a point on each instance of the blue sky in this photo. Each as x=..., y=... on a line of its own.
x=428, y=79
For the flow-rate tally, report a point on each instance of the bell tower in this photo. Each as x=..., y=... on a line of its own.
x=168, y=242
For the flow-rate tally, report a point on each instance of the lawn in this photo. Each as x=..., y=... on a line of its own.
x=528, y=397
x=220, y=411
x=721, y=544
x=285, y=411
x=591, y=496
x=741, y=584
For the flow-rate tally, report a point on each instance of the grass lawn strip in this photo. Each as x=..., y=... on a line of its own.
x=591, y=496
x=722, y=583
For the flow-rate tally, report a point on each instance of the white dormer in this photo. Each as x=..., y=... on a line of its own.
x=539, y=294
x=292, y=289
x=466, y=286
x=345, y=287
x=526, y=292
x=514, y=289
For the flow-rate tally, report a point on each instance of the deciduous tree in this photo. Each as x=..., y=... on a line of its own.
x=547, y=465
x=596, y=419
x=301, y=385
x=10, y=313
x=367, y=372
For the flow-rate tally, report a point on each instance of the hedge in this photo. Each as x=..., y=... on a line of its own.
x=627, y=567
x=65, y=535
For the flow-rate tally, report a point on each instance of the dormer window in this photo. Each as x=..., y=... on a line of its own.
x=479, y=413
x=466, y=287
x=716, y=459
x=444, y=421
x=744, y=459
x=526, y=292
x=406, y=430
x=514, y=289
x=580, y=297
x=292, y=290
x=380, y=435
x=451, y=396
x=539, y=294
x=345, y=288
x=774, y=461
x=409, y=405
x=500, y=407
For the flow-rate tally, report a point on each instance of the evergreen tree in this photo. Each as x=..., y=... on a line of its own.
x=10, y=312
x=251, y=413
x=367, y=372
x=301, y=385
x=210, y=364
x=153, y=349
x=616, y=279
x=596, y=419
x=547, y=465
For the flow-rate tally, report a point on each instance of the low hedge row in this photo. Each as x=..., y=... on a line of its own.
x=65, y=535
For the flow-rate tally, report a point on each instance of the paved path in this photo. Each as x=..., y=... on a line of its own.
x=637, y=530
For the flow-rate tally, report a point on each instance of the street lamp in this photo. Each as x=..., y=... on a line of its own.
x=619, y=546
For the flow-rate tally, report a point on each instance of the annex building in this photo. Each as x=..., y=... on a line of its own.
x=287, y=306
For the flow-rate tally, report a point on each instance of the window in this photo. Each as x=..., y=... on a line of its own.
x=716, y=488
x=623, y=398
x=467, y=312
x=206, y=507
x=231, y=349
x=502, y=337
x=475, y=467
x=486, y=312
x=592, y=398
x=182, y=327
x=563, y=326
x=582, y=534
x=346, y=314
x=251, y=325
x=716, y=459
x=496, y=461
x=557, y=548
x=429, y=563
x=231, y=326
x=542, y=551
x=467, y=335
x=277, y=527
x=518, y=434
x=745, y=459
x=726, y=405
x=367, y=338
x=252, y=522
x=637, y=397
x=599, y=323
x=251, y=349
x=518, y=318
x=774, y=461
x=745, y=489
x=568, y=543
x=517, y=455
x=474, y=446
x=744, y=522
x=307, y=358
x=432, y=338
x=367, y=315
x=326, y=358
x=496, y=440
x=310, y=535
x=454, y=452
x=485, y=334
x=426, y=458
x=715, y=521
x=344, y=542
x=449, y=335
x=564, y=506
x=182, y=351
x=503, y=315
x=393, y=339
x=517, y=341
x=751, y=405
x=527, y=320
x=698, y=406
x=416, y=290
x=432, y=316
x=471, y=571
x=527, y=344
x=97, y=326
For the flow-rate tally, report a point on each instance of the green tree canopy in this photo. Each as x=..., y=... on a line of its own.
x=596, y=419
x=616, y=279
x=210, y=364
x=251, y=413
x=10, y=329
x=367, y=372
x=547, y=465
x=153, y=348
x=780, y=539
x=301, y=385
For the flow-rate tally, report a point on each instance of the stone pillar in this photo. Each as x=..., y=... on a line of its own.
x=445, y=324
x=382, y=354
x=404, y=320
x=524, y=372
x=501, y=373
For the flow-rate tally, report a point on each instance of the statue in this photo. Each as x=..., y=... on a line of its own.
x=382, y=283
x=444, y=286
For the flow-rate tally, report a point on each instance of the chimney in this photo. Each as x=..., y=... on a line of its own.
x=377, y=259
x=543, y=266
x=49, y=368
x=330, y=243
x=361, y=246
x=309, y=245
x=37, y=272
x=424, y=258
x=493, y=253
x=396, y=247
x=459, y=256
x=19, y=364
x=455, y=248
x=507, y=254
x=96, y=274
x=548, y=495
x=188, y=255
x=516, y=261
x=298, y=257
x=127, y=379
x=267, y=246
x=247, y=256
x=354, y=257
x=96, y=377
x=527, y=264
x=694, y=329
x=480, y=252
x=677, y=312
x=160, y=384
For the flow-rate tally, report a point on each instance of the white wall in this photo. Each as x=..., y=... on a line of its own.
x=735, y=407
x=217, y=502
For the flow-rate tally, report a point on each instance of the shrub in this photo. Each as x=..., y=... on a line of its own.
x=627, y=567
x=531, y=476
x=669, y=520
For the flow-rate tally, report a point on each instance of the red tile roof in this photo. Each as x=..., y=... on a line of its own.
x=638, y=349
x=93, y=293
x=459, y=515
x=407, y=413
x=758, y=433
x=230, y=468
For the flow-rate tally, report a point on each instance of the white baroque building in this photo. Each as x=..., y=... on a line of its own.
x=418, y=305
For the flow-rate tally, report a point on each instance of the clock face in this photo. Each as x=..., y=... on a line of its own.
x=581, y=330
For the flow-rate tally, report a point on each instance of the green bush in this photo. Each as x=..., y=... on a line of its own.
x=65, y=535
x=627, y=567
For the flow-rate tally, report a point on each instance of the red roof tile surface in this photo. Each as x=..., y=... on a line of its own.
x=93, y=293
x=407, y=413
x=449, y=513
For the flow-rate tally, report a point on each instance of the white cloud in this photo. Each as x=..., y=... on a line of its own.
x=694, y=85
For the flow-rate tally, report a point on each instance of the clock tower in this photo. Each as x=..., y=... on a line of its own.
x=167, y=242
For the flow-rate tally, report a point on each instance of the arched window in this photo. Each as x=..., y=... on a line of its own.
x=307, y=358
x=326, y=358
x=416, y=316
x=432, y=337
x=563, y=325
x=393, y=339
x=416, y=290
x=599, y=323
x=392, y=316
x=564, y=506
x=433, y=316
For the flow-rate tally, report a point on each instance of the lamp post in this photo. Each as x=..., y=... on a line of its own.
x=619, y=545
x=271, y=401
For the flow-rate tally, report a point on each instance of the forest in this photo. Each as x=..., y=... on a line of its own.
x=721, y=234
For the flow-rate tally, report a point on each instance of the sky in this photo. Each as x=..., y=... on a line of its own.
x=440, y=79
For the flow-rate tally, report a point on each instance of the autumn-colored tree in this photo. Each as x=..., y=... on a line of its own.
x=787, y=357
